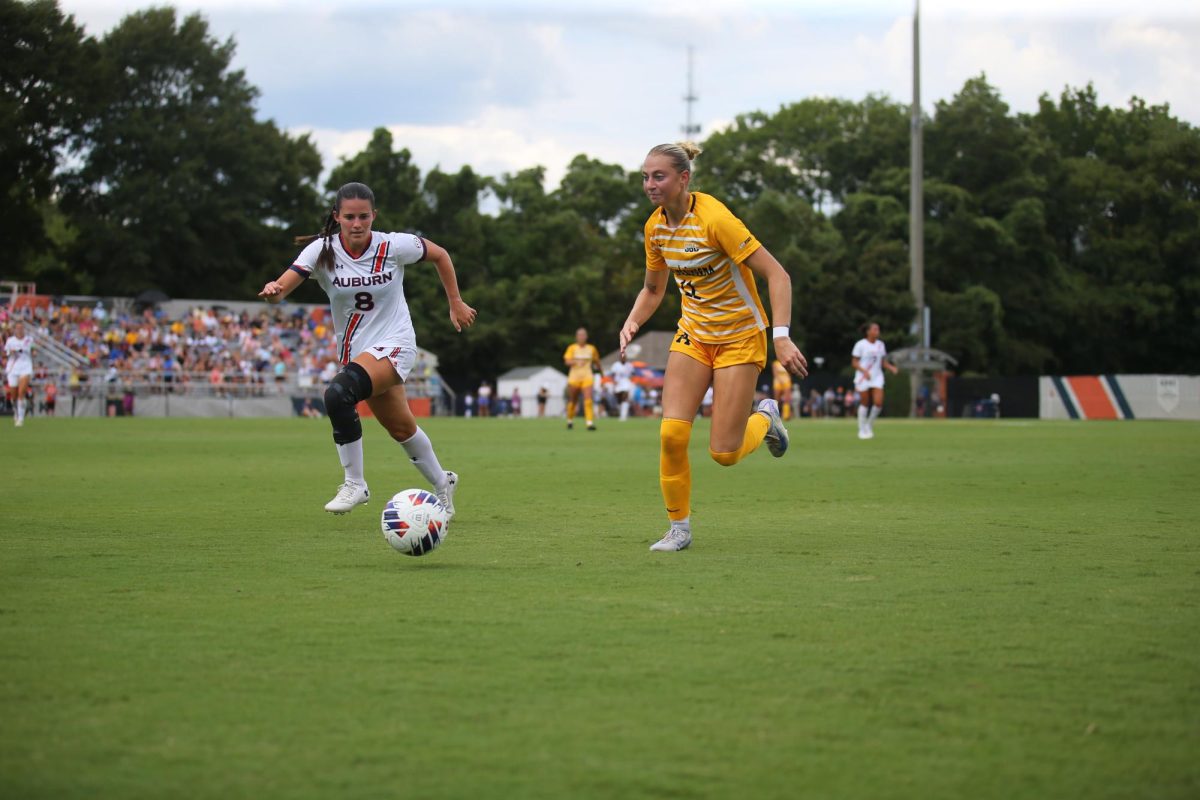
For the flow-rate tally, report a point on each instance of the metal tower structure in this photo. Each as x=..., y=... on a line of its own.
x=691, y=130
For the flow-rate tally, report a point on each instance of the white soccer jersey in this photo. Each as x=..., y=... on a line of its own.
x=19, y=352
x=366, y=294
x=622, y=376
x=870, y=357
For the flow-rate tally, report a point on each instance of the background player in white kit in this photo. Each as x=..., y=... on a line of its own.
x=869, y=360
x=362, y=271
x=18, y=368
x=622, y=375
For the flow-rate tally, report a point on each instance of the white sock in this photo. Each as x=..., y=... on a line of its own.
x=351, y=456
x=685, y=524
x=862, y=418
x=873, y=416
x=420, y=453
x=625, y=410
x=20, y=411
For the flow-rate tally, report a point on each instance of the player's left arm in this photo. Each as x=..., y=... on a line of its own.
x=461, y=314
x=889, y=366
x=779, y=289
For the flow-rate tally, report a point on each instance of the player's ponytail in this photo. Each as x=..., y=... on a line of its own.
x=325, y=259
x=680, y=153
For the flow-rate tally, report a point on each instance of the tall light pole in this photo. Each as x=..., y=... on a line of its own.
x=916, y=207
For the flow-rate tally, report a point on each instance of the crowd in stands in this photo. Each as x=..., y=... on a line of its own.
x=836, y=401
x=210, y=348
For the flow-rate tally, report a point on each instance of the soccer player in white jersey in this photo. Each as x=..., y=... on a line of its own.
x=869, y=358
x=622, y=375
x=362, y=271
x=18, y=369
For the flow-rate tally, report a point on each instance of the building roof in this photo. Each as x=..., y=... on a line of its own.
x=650, y=347
x=523, y=373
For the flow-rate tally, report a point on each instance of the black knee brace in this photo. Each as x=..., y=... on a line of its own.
x=341, y=402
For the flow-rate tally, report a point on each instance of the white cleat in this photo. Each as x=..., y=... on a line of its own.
x=862, y=433
x=349, y=495
x=446, y=496
x=867, y=434
x=777, y=435
x=676, y=538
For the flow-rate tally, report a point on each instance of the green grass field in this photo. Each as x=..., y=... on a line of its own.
x=954, y=609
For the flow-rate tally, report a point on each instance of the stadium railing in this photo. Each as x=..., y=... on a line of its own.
x=99, y=392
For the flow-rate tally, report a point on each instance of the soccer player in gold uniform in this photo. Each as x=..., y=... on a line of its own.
x=722, y=331
x=781, y=386
x=580, y=358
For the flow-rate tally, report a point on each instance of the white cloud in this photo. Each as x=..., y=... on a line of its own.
x=504, y=86
x=490, y=145
x=1129, y=32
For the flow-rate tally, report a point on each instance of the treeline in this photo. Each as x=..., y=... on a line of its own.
x=1066, y=240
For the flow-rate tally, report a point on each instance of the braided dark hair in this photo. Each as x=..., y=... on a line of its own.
x=350, y=191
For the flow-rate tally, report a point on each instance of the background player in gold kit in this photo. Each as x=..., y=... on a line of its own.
x=781, y=387
x=581, y=358
x=722, y=332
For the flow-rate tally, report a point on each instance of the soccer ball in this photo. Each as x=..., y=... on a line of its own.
x=414, y=522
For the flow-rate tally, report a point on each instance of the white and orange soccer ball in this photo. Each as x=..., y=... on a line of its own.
x=414, y=522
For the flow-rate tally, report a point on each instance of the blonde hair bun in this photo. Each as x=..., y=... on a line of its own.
x=680, y=154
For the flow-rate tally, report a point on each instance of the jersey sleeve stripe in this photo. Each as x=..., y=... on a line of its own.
x=747, y=298
x=302, y=270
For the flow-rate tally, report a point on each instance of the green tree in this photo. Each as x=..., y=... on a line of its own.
x=179, y=182
x=392, y=176
x=823, y=184
x=819, y=148
x=47, y=86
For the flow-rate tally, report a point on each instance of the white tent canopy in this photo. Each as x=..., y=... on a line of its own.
x=528, y=381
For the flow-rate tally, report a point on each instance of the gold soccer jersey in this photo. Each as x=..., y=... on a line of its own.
x=706, y=254
x=781, y=379
x=580, y=358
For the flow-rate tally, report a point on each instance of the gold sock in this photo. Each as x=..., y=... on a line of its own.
x=756, y=429
x=674, y=470
x=570, y=411
x=587, y=408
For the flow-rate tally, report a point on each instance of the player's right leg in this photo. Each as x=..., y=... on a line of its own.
x=350, y=386
x=684, y=385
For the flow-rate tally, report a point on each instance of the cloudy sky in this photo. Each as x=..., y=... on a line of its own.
x=506, y=85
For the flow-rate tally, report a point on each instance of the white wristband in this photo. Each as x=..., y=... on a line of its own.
x=779, y=331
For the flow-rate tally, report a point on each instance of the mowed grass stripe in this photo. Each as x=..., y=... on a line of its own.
x=951, y=609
